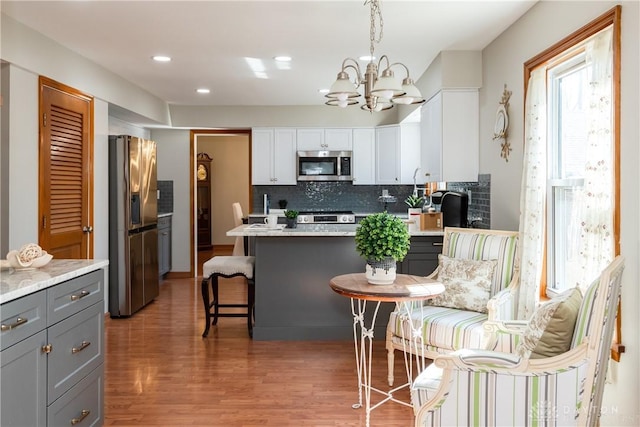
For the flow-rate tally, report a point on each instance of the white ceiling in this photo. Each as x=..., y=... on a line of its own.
x=209, y=41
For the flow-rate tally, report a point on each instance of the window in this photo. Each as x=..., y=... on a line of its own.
x=570, y=224
x=567, y=86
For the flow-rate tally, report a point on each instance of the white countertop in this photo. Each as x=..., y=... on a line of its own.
x=311, y=230
x=18, y=283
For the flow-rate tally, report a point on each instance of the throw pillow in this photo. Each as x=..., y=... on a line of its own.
x=467, y=283
x=550, y=329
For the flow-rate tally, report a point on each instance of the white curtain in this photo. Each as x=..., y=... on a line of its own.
x=597, y=207
x=533, y=193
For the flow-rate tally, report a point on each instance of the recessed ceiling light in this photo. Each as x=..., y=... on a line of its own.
x=282, y=58
x=203, y=90
x=161, y=58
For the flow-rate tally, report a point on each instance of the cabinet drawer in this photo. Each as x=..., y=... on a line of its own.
x=430, y=245
x=164, y=222
x=77, y=349
x=82, y=405
x=22, y=318
x=77, y=294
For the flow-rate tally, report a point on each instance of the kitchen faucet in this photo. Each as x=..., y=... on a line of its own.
x=415, y=187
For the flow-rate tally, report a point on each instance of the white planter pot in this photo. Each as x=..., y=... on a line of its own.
x=414, y=218
x=380, y=275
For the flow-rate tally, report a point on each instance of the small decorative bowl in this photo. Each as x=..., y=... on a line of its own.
x=41, y=261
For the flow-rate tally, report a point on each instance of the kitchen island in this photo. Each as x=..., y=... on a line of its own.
x=293, y=270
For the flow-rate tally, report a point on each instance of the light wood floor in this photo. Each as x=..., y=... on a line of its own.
x=159, y=371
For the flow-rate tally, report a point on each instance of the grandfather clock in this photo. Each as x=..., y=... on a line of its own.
x=203, y=174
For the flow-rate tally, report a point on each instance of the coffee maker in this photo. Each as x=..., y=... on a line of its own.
x=454, y=206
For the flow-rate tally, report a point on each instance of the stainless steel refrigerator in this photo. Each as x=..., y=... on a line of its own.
x=133, y=224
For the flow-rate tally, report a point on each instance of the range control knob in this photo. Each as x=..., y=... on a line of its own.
x=346, y=219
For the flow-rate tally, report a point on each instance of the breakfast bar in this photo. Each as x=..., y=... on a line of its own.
x=292, y=270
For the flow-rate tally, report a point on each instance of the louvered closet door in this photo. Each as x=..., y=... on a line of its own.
x=66, y=219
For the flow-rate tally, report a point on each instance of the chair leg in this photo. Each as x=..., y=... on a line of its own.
x=251, y=296
x=216, y=299
x=207, y=307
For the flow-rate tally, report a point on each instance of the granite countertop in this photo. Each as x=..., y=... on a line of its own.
x=310, y=230
x=15, y=284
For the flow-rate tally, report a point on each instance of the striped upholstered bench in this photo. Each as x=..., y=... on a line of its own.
x=452, y=322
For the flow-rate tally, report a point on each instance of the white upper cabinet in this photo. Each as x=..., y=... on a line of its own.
x=338, y=139
x=449, y=132
x=363, y=158
x=397, y=153
x=274, y=156
x=317, y=139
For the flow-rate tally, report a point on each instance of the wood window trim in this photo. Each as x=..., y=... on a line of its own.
x=610, y=18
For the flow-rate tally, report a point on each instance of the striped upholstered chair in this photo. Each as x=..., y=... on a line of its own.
x=445, y=329
x=482, y=388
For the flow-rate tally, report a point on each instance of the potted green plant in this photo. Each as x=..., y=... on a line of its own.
x=291, y=218
x=382, y=240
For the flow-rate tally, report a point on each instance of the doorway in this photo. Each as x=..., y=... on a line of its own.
x=230, y=173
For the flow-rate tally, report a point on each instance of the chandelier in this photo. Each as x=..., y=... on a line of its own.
x=382, y=90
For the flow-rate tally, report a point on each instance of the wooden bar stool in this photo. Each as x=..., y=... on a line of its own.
x=227, y=267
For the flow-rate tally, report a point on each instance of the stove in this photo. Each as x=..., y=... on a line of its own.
x=326, y=217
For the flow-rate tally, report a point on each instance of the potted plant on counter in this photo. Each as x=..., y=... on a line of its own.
x=291, y=218
x=382, y=240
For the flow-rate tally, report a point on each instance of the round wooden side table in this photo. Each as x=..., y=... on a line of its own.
x=404, y=292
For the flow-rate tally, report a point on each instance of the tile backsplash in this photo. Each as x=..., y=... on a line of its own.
x=165, y=202
x=323, y=196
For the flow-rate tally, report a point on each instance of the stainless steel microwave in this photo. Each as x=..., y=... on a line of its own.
x=324, y=166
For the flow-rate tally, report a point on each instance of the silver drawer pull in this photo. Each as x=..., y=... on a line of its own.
x=81, y=295
x=83, y=415
x=19, y=321
x=84, y=345
x=437, y=243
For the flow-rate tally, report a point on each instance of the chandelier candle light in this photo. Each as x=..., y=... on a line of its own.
x=380, y=91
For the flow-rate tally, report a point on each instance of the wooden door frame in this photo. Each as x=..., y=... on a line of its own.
x=192, y=179
x=42, y=82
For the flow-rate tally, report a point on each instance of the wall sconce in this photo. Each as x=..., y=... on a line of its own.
x=502, y=125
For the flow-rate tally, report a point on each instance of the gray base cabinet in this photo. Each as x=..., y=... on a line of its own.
x=52, y=354
x=164, y=245
x=24, y=383
x=422, y=258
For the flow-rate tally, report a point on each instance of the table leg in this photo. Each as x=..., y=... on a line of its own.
x=414, y=354
x=363, y=346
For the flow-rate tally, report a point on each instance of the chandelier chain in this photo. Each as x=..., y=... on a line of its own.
x=376, y=12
